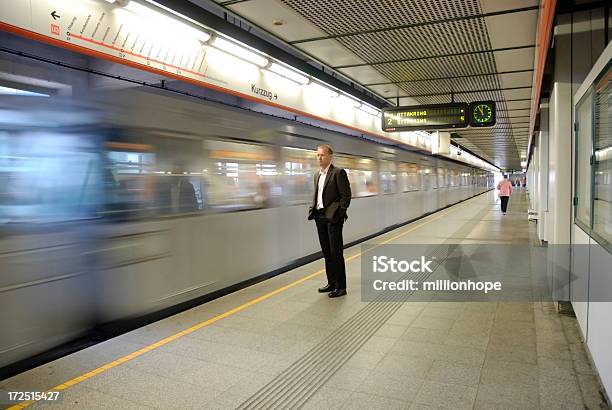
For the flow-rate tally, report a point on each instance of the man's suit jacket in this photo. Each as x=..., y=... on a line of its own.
x=336, y=195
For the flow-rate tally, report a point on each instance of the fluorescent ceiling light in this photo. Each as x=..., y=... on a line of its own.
x=350, y=101
x=288, y=73
x=15, y=91
x=170, y=24
x=370, y=110
x=325, y=90
x=239, y=51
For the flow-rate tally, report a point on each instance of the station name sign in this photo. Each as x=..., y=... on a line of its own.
x=439, y=116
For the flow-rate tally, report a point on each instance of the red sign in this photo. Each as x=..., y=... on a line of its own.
x=55, y=29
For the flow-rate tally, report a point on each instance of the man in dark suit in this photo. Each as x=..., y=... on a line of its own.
x=331, y=200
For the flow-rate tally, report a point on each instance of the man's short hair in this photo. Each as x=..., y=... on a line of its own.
x=327, y=148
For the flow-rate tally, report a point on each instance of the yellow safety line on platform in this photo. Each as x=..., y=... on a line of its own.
x=200, y=325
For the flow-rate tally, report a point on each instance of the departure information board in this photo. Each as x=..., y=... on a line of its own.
x=425, y=117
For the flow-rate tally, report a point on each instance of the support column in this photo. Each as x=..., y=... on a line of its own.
x=558, y=221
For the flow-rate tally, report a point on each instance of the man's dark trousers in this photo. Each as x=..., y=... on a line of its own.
x=504, y=202
x=330, y=238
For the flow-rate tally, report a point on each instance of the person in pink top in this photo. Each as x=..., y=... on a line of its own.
x=505, y=190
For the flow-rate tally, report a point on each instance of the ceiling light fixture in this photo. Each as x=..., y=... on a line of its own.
x=239, y=51
x=370, y=110
x=324, y=90
x=350, y=101
x=288, y=73
x=173, y=25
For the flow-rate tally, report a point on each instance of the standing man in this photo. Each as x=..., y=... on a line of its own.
x=331, y=200
x=505, y=190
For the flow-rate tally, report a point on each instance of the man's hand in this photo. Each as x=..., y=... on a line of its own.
x=340, y=216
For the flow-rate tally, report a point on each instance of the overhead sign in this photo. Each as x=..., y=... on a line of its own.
x=425, y=117
x=439, y=116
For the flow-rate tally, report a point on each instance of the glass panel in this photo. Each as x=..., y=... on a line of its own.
x=602, y=184
x=410, y=178
x=388, y=177
x=300, y=168
x=584, y=150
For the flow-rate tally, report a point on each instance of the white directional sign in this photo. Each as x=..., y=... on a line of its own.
x=150, y=38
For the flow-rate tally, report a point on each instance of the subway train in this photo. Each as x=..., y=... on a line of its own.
x=139, y=200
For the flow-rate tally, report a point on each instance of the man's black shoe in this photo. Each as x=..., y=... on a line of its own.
x=328, y=288
x=337, y=293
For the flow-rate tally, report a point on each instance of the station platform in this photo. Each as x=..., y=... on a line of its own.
x=280, y=344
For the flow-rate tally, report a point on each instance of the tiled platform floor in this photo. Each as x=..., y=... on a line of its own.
x=426, y=355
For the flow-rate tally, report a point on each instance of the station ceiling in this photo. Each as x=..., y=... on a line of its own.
x=422, y=52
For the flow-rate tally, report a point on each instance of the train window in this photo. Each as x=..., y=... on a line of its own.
x=442, y=178
x=455, y=178
x=602, y=163
x=48, y=176
x=409, y=177
x=429, y=178
x=361, y=174
x=466, y=178
x=129, y=179
x=388, y=177
x=300, y=168
x=153, y=174
x=438, y=178
x=482, y=179
x=241, y=176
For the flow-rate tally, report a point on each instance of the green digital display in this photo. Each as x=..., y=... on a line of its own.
x=482, y=114
x=439, y=116
x=425, y=117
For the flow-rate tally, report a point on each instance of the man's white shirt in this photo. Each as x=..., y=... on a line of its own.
x=322, y=175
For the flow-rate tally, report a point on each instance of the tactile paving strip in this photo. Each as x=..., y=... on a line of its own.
x=296, y=384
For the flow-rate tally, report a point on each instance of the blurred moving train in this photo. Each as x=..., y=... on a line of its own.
x=140, y=201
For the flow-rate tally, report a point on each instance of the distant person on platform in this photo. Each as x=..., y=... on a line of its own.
x=331, y=200
x=505, y=190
